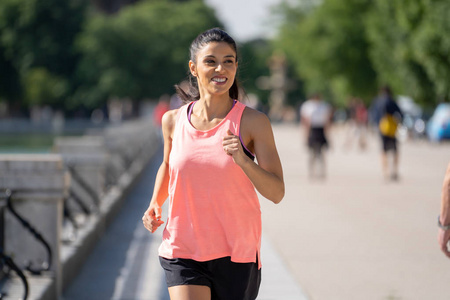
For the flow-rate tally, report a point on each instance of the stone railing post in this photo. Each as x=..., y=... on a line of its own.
x=85, y=157
x=39, y=184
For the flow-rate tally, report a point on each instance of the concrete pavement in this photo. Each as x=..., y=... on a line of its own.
x=355, y=236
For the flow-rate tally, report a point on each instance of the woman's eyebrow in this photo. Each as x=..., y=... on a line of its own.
x=210, y=55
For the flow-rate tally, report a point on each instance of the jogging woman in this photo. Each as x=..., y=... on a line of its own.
x=212, y=238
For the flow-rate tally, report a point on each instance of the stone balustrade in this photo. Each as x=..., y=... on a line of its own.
x=96, y=170
x=39, y=184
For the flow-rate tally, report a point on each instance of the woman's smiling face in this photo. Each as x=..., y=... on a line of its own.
x=215, y=68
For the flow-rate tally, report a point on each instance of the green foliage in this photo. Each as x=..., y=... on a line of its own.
x=138, y=53
x=141, y=52
x=37, y=34
x=41, y=87
x=431, y=46
x=392, y=27
x=10, y=89
x=329, y=48
x=346, y=48
x=253, y=63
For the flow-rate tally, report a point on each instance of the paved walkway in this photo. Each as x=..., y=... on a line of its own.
x=355, y=236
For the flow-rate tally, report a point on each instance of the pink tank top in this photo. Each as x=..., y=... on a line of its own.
x=214, y=211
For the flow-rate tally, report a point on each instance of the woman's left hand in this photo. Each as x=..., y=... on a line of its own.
x=232, y=146
x=152, y=217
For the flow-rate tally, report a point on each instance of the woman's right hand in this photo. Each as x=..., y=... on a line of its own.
x=152, y=217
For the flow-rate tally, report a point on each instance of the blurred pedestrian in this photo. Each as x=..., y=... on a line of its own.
x=315, y=116
x=356, y=123
x=387, y=116
x=211, y=243
x=160, y=109
x=444, y=217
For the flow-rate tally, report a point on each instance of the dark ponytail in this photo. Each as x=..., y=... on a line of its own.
x=211, y=35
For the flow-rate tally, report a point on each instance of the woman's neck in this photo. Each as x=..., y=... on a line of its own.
x=211, y=107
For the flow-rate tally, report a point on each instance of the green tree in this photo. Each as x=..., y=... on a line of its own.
x=410, y=47
x=391, y=29
x=141, y=52
x=42, y=87
x=328, y=45
x=38, y=34
x=253, y=63
x=431, y=46
x=41, y=33
x=10, y=89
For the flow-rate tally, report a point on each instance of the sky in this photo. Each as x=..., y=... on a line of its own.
x=245, y=20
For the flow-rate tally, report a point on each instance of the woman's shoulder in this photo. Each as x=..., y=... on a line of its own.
x=169, y=119
x=253, y=115
x=171, y=114
x=253, y=120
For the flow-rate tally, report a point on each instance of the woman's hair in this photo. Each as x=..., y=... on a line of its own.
x=209, y=36
x=386, y=90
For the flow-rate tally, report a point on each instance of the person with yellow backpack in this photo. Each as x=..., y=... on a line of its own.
x=387, y=115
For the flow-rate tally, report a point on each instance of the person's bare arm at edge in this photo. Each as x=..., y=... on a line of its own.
x=267, y=175
x=444, y=217
x=305, y=122
x=152, y=216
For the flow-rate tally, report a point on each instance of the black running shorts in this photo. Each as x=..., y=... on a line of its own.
x=226, y=279
x=317, y=139
x=389, y=143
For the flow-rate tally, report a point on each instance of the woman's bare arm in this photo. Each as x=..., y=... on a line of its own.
x=267, y=174
x=152, y=216
x=444, y=217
